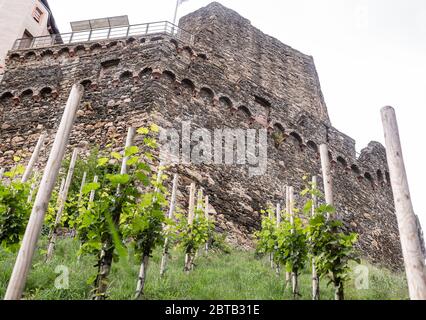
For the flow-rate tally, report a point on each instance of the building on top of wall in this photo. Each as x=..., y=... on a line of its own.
x=23, y=19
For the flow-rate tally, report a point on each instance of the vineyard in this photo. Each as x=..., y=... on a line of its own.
x=222, y=274
x=112, y=213
x=118, y=213
x=107, y=225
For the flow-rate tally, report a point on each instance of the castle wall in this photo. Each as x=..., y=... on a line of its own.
x=246, y=53
x=135, y=81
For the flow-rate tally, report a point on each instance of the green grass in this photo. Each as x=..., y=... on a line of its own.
x=238, y=275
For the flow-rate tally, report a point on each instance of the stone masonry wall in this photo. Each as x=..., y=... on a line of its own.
x=234, y=76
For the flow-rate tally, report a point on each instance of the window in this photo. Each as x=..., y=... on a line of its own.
x=27, y=39
x=37, y=14
x=342, y=162
x=262, y=101
x=355, y=169
x=27, y=35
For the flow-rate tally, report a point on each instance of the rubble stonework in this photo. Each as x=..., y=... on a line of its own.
x=234, y=76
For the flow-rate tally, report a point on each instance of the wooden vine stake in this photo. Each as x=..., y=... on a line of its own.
x=271, y=255
x=329, y=199
x=91, y=199
x=107, y=252
x=409, y=236
x=80, y=196
x=315, y=278
x=199, y=209
x=80, y=192
x=191, y=207
x=206, y=215
x=166, y=248
x=62, y=201
x=60, y=190
x=278, y=213
x=145, y=256
x=33, y=186
x=1, y=174
x=29, y=242
x=93, y=192
x=287, y=210
x=199, y=201
x=326, y=172
x=34, y=158
x=294, y=279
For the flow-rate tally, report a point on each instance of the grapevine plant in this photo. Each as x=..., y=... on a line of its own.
x=320, y=238
x=88, y=165
x=192, y=237
x=286, y=242
x=15, y=209
x=127, y=207
x=144, y=224
x=291, y=249
x=331, y=248
x=266, y=237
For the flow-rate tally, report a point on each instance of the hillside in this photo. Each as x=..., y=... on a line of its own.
x=234, y=275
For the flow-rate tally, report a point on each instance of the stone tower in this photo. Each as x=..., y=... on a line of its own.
x=228, y=75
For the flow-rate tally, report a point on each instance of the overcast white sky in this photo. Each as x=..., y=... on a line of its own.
x=369, y=53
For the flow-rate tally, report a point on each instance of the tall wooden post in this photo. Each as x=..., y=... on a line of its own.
x=91, y=199
x=33, y=160
x=107, y=252
x=83, y=182
x=200, y=199
x=60, y=190
x=294, y=280
x=287, y=210
x=93, y=192
x=33, y=186
x=327, y=178
x=206, y=215
x=145, y=258
x=291, y=204
x=315, y=279
x=329, y=199
x=170, y=216
x=62, y=201
x=410, y=242
x=131, y=132
x=278, y=214
x=24, y=259
x=271, y=255
x=200, y=196
x=159, y=176
x=191, y=207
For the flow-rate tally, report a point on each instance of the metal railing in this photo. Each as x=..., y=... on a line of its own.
x=145, y=29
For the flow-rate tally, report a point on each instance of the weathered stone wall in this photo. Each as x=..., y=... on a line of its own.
x=247, y=54
x=232, y=77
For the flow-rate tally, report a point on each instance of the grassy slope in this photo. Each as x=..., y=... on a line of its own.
x=217, y=276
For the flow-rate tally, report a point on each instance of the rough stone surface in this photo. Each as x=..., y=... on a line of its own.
x=234, y=76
